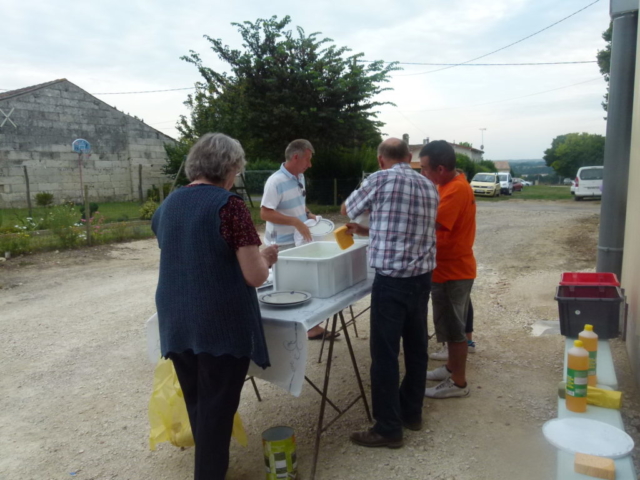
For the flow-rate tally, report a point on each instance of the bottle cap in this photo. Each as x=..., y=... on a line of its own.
x=588, y=328
x=578, y=343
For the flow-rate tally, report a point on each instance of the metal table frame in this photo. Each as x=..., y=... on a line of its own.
x=331, y=308
x=323, y=393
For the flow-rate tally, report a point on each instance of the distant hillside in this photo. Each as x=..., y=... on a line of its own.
x=529, y=167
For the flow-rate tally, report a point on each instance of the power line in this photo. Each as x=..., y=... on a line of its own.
x=503, y=48
x=485, y=64
x=144, y=91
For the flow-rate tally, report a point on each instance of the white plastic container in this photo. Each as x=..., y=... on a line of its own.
x=320, y=268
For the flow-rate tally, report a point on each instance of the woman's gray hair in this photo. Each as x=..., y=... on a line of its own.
x=213, y=156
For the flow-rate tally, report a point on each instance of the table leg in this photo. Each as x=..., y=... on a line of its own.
x=323, y=402
x=355, y=367
x=324, y=339
x=353, y=320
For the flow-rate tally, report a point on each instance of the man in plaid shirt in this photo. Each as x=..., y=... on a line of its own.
x=403, y=207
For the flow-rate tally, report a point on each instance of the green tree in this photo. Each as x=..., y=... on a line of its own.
x=604, y=61
x=466, y=144
x=176, y=154
x=574, y=150
x=487, y=166
x=470, y=168
x=284, y=86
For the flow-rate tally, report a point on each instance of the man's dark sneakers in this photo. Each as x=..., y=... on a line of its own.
x=370, y=438
x=415, y=426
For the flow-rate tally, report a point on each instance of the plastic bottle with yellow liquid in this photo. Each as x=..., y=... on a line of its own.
x=590, y=340
x=577, y=371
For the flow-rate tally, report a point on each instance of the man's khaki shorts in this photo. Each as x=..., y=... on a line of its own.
x=450, y=306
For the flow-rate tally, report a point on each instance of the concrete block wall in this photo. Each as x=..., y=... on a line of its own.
x=48, y=120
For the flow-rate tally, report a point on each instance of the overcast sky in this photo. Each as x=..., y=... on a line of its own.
x=135, y=45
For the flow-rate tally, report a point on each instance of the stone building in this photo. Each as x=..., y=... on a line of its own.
x=37, y=127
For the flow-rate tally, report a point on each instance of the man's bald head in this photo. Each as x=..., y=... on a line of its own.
x=394, y=150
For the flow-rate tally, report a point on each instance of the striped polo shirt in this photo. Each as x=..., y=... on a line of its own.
x=283, y=193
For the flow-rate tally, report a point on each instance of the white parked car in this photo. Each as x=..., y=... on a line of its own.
x=588, y=182
x=506, y=183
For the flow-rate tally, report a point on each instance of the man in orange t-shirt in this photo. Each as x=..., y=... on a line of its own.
x=455, y=265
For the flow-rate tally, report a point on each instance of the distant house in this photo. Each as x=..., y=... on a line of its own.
x=38, y=125
x=473, y=153
x=502, y=165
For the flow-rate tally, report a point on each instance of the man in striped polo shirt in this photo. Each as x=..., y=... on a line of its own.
x=284, y=207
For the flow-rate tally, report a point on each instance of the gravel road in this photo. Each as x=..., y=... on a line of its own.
x=76, y=380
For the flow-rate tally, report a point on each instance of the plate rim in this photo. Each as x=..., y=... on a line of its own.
x=553, y=421
x=297, y=302
x=326, y=220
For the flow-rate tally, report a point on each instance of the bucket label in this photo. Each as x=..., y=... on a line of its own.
x=577, y=382
x=280, y=459
x=593, y=361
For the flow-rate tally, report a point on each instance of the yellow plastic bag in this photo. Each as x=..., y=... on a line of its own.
x=168, y=417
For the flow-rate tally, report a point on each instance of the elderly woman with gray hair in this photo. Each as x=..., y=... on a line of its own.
x=210, y=324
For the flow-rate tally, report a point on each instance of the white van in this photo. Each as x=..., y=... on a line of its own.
x=588, y=182
x=506, y=183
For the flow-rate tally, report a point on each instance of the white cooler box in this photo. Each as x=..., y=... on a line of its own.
x=320, y=268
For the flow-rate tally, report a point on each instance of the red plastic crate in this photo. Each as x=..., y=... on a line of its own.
x=599, y=305
x=589, y=279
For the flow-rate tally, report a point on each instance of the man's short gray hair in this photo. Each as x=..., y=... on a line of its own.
x=297, y=146
x=213, y=156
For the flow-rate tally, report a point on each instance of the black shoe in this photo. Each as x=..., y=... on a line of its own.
x=415, y=426
x=370, y=438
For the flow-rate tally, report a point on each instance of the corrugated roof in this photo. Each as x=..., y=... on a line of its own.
x=22, y=91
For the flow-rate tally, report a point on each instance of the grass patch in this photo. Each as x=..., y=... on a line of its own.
x=545, y=192
x=112, y=212
x=123, y=211
x=535, y=192
x=73, y=237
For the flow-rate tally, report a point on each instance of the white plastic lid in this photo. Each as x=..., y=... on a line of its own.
x=583, y=435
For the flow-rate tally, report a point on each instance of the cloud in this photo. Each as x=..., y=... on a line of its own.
x=119, y=46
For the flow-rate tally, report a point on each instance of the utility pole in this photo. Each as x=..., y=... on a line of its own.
x=617, y=150
x=482, y=133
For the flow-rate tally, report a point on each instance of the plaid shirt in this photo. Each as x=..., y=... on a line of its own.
x=402, y=227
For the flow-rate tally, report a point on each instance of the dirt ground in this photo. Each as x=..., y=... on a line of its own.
x=76, y=379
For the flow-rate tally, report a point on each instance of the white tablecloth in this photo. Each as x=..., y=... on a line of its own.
x=285, y=331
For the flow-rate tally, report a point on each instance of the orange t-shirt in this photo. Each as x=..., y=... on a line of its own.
x=456, y=233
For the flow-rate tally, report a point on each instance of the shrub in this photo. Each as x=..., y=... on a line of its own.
x=148, y=209
x=44, y=199
x=97, y=228
x=15, y=243
x=154, y=192
x=64, y=225
x=93, y=207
